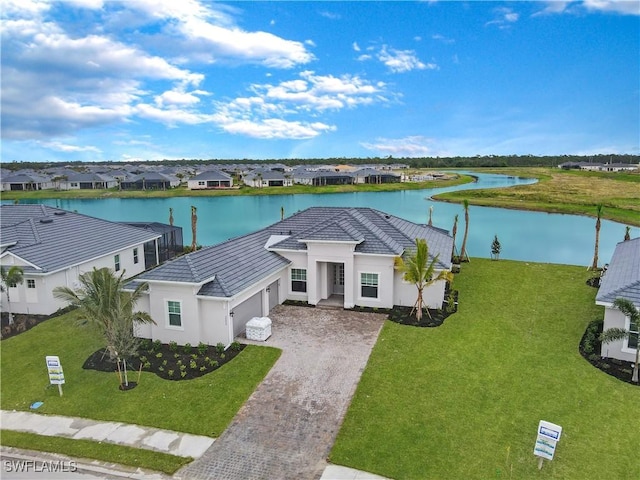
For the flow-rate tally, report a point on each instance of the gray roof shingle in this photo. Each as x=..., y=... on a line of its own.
x=53, y=239
x=230, y=267
x=622, y=278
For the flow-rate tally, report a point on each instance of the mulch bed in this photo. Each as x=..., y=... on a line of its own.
x=171, y=362
x=590, y=348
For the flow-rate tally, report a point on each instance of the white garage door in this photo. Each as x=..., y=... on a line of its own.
x=251, y=307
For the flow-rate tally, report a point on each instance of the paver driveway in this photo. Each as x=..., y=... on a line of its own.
x=287, y=427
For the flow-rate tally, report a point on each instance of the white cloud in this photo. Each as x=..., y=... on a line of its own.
x=505, y=17
x=411, y=146
x=400, y=61
x=275, y=128
x=62, y=147
x=622, y=7
x=356, y=47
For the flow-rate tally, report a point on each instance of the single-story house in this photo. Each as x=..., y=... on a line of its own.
x=150, y=181
x=621, y=280
x=370, y=175
x=26, y=181
x=87, y=181
x=210, y=179
x=54, y=246
x=267, y=178
x=347, y=254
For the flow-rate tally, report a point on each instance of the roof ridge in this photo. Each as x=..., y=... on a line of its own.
x=192, y=267
x=36, y=235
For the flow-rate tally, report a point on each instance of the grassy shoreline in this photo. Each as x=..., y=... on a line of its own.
x=561, y=191
x=242, y=191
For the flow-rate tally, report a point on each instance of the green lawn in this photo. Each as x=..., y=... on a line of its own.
x=463, y=401
x=202, y=406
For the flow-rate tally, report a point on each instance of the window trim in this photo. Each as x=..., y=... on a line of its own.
x=116, y=262
x=136, y=259
x=168, y=315
x=31, y=283
x=362, y=285
x=300, y=281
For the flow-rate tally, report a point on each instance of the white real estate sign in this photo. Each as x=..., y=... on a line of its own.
x=548, y=437
x=54, y=368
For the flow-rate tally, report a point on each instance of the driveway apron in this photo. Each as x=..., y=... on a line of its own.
x=287, y=427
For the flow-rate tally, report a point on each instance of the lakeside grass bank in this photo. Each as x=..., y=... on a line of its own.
x=463, y=400
x=561, y=191
x=183, y=191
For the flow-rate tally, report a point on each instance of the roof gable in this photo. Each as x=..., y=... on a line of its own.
x=622, y=278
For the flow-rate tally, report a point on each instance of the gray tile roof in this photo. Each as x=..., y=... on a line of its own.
x=212, y=175
x=230, y=267
x=53, y=239
x=622, y=278
x=377, y=232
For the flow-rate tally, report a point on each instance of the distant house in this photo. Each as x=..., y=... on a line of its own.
x=346, y=254
x=54, y=247
x=26, y=182
x=87, y=181
x=210, y=179
x=267, y=178
x=150, y=181
x=621, y=280
x=321, y=178
x=369, y=175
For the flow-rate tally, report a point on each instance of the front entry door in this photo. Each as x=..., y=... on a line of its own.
x=338, y=278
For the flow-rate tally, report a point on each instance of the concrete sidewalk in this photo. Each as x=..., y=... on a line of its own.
x=136, y=436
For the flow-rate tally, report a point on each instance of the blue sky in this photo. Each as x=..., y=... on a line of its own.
x=96, y=80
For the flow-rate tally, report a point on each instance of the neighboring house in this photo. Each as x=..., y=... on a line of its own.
x=347, y=254
x=210, y=179
x=168, y=246
x=54, y=247
x=621, y=280
x=268, y=178
x=369, y=175
x=150, y=181
x=24, y=181
x=88, y=181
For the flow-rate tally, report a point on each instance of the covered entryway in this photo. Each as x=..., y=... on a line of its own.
x=337, y=288
x=251, y=307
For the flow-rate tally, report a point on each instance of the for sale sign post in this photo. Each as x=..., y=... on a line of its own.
x=548, y=437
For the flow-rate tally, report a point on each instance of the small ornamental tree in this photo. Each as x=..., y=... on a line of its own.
x=11, y=276
x=495, y=248
x=417, y=268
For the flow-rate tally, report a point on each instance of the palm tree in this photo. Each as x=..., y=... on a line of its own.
x=463, y=250
x=194, y=225
x=594, y=265
x=430, y=215
x=627, y=233
x=171, y=216
x=419, y=270
x=454, y=232
x=12, y=276
x=628, y=309
x=102, y=301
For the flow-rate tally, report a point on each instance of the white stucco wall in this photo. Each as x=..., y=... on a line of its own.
x=40, y=301
x=383, y=266
x=614, y=318
x=406, y=293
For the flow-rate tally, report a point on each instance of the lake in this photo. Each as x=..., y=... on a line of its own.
x=528, y=236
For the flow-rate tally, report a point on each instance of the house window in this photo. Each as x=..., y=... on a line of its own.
x=135, y=255
x=116, y=261
x=632, y=339
x=298, y=280
x=201, y=182
x=31, y=283
x=369, y=285
x=13, y=285
x=174, y=309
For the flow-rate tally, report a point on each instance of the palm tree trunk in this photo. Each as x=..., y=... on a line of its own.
x=594, y=265
x=463, y=250
x=9, y=306
x=194, y=221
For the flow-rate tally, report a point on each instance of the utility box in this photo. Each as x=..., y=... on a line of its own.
x=258, y=328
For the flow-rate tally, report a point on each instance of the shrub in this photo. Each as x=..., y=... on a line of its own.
x=220, y=347
x=183, y=374
x=157, y=345
x=145, y=344
x=176, y=355
x=143, y=359
x=164, y=362
x=161, y=369
x=187, y=348
x=236, y=346
x=590, y=340
x=213, y=363
x=183, y=368
x=170, y=373
x=202, y=348
x=203, y=368
x=194, y=356
x=193, y=364
x=173, y=346
x=159, y=355
x=147, y=365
